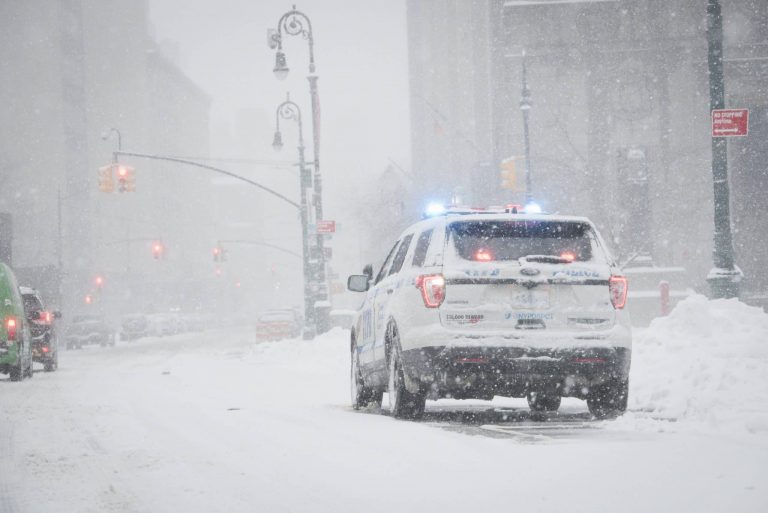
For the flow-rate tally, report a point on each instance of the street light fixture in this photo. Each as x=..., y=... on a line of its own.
x=281, y=69
x=277, y=142
x=295, y=23
x=288, y=110
x=106, y=135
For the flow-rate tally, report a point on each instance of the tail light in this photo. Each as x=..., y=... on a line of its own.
x=617, y=285
x=483, y=255
x=432, y=287
x=46, y=317
x=10, y=328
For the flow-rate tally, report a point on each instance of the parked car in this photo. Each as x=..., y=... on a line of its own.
x=15, y=337
x=89, y=329
x=474, y=304
x=45, y=341
x=135, y=326
x=278, y=324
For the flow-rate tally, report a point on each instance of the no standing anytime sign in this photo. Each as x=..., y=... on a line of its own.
x=730, y=122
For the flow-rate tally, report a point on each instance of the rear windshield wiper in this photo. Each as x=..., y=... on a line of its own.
x=547, y=259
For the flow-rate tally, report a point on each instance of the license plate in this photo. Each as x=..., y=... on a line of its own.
x=535, y=299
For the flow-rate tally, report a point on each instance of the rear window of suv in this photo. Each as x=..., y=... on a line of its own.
x=510, y=240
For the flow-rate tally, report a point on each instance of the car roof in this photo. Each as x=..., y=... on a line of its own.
x=480, y=215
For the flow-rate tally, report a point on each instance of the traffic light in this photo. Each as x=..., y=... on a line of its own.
x=88, y=299
x=106, y=180
x=126, y=178
x=158, y=250
x=217, y=254
x=99, y=281
x=508, y=169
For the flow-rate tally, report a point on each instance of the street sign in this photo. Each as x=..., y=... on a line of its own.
x=326, y=227
x=730, y=122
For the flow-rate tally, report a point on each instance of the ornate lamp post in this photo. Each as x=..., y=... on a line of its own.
x=294, y=23
x=288, y=110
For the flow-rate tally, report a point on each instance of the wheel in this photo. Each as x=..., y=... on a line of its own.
x=361, y=394
x=16, y=374
x=609, y=399
x=402, y=403
x=543, y=401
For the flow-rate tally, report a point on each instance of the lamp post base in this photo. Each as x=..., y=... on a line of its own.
x=725, y=283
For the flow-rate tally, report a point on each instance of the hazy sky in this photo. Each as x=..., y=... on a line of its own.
x=360, y=51
x=362, y=61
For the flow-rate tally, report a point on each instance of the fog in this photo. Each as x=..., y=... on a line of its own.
x=417, y=103
x=191, y=80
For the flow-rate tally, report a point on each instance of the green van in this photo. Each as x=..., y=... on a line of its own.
x=15, y=339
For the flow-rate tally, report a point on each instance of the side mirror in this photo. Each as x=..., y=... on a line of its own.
x=56, y=314
x=35, y=316
x=358, y=282
x=368, y=271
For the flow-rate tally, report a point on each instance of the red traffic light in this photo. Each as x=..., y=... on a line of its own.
x=99, y=281
x=88, y=299
x=157, y=250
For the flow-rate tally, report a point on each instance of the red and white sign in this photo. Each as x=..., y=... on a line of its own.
x=730, y=122
x=326, y=227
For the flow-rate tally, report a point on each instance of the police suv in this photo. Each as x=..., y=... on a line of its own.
x=477, y=303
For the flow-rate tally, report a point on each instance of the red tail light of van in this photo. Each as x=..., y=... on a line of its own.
x=11, y=328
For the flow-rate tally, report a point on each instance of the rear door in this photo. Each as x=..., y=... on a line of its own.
x=367, y=326
x=525, y=274
x=387, y=289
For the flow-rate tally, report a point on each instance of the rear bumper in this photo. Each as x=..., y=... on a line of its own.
x=482, y=372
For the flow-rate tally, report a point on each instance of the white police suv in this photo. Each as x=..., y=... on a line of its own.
x=477, y=303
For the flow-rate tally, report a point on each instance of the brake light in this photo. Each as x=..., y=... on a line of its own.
x=432, y=287
x=568, y=256
x=483, y=255
x=617, y=286
x=10, y=327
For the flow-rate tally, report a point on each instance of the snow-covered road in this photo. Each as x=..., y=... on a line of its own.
x=217, y=423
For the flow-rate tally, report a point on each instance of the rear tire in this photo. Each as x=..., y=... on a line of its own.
x=16, y=373
x=608, y=399
x=541, y=402
x=403, y=404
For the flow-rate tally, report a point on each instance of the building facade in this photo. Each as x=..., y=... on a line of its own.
x=71, y=70
x=620, y=121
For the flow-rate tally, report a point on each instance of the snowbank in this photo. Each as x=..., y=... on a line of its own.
x=706, y=363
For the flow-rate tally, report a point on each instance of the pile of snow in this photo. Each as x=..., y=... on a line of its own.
x=706, y=363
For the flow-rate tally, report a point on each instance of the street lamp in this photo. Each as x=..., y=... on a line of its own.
x=106, y=135
x=281, y=69
x=288, y=110
x=725, y=278
x=525, y=107
x=294, y=23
